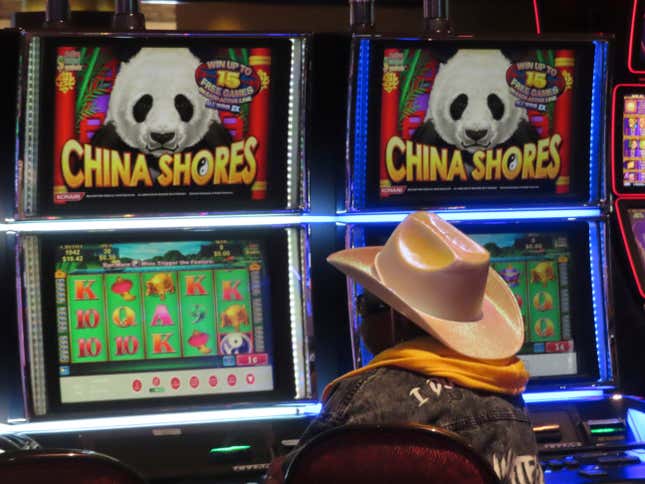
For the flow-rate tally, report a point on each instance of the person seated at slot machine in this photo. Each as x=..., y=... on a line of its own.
x=445, y=329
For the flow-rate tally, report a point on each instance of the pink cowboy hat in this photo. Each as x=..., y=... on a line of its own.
x=441, y=280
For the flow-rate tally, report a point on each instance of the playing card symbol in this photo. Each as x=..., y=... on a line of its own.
x=161, y=317
x=123, y=317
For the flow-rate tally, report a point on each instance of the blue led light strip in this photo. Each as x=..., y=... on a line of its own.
x=215, y=221
x=260, y=220
x=636, y=422
x=596, y=263
x=306, y=409
x=482, y=215
x=599, y=79
x=558, y=396
x=357, y=193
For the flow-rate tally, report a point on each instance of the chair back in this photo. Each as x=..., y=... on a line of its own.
x=389, y=454
x=68, y=466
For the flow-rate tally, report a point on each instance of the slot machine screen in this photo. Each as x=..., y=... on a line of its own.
x=628, y=139
x=547, y=268
x=473, y=121
x=631, y=218
x=181, y=319
x=124, y=124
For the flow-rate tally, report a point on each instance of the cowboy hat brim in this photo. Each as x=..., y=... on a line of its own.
x=497, y=334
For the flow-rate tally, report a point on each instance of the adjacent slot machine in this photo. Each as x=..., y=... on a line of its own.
x=194, y=336
x=627, y=168
x=626, y=172
x=162, y=249
x=537, y=152
x=505, y=139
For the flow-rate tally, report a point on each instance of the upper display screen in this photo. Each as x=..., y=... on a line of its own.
x=633, y=140
x=628, y=140
x=457, y=122
x=128, y=126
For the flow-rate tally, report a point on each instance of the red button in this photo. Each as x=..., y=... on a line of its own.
x=212, y=381
x=250, y=378
x=194, y=381
x=174, y=382
x=232, y=380
x=137, y=385
x=156, y=381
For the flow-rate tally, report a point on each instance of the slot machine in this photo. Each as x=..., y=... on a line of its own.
x=431, y=128
x=626, y=174
x=160, y=236
x=194, y=337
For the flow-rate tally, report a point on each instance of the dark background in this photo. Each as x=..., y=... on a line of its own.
x=493, y=17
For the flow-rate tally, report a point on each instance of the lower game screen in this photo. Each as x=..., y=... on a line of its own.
x=162, y=319
x=537, y=268
x=546, y=269
x=637, y=224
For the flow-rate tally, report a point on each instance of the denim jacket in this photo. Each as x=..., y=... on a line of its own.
x=496, y=426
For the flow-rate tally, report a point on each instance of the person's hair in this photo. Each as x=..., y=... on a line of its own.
x=382, y=327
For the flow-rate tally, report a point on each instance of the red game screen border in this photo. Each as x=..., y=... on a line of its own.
x=636, y=264
x=634, y=63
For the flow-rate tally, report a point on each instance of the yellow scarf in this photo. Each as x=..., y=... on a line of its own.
x=428, y=357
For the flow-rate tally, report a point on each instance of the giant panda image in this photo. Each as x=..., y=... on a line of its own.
x=155, y=107
x=471, y=106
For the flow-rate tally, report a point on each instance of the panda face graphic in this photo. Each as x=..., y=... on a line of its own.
x=155, y=104
x=471, y=105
